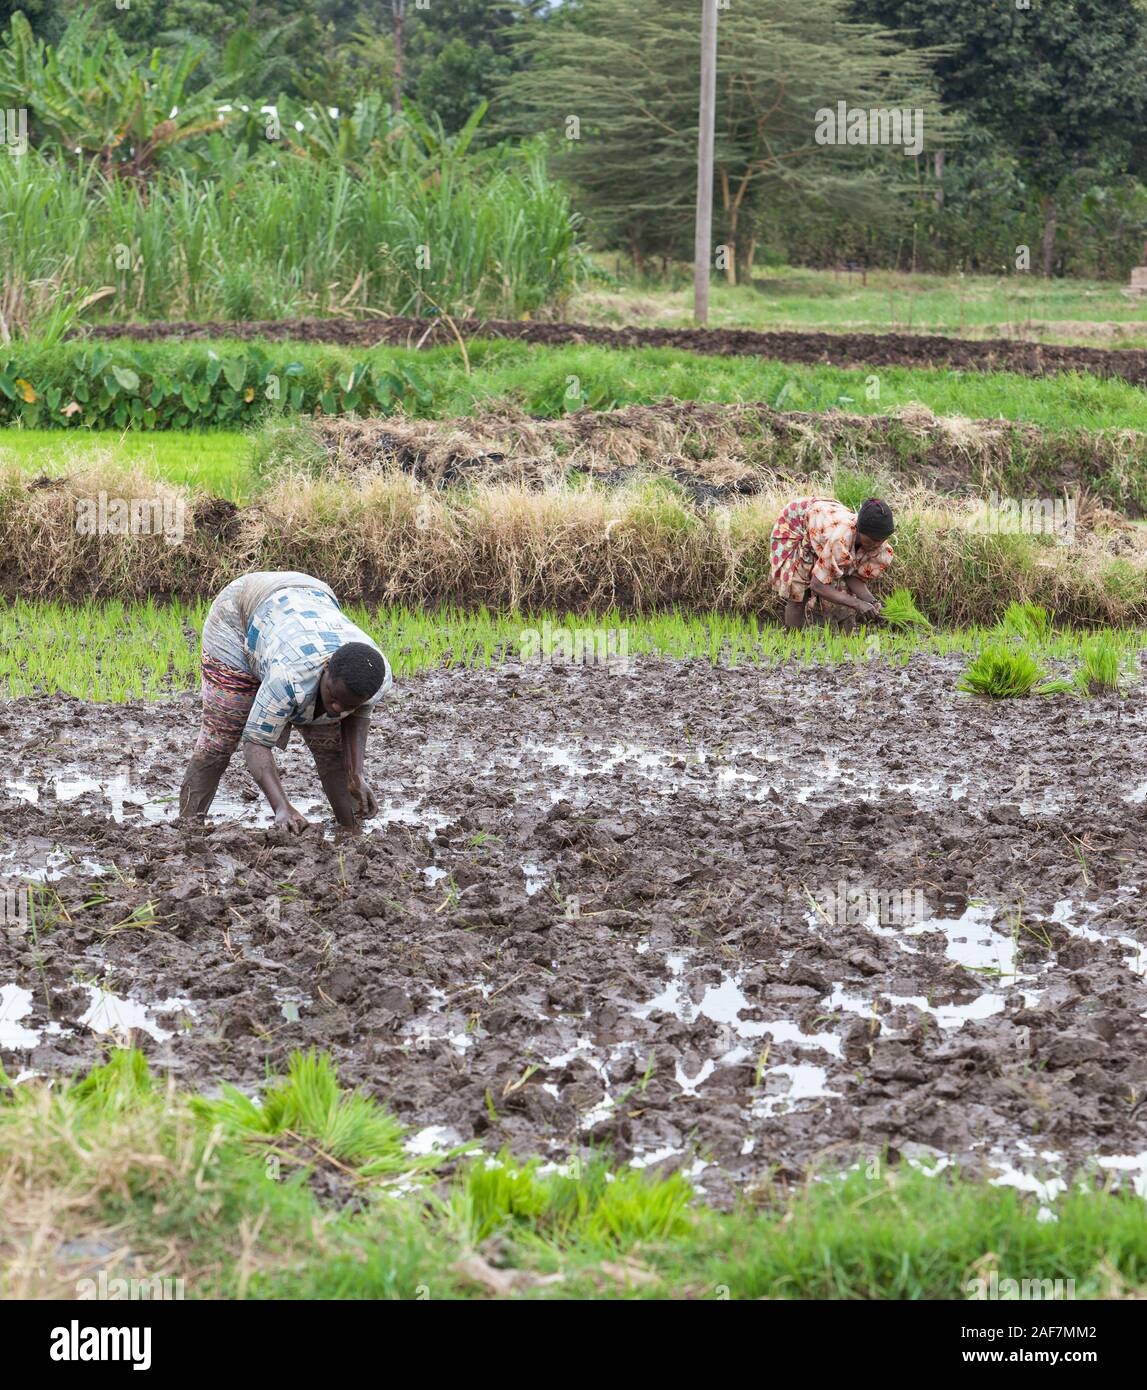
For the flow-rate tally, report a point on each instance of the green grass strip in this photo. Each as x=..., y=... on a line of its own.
x=114, y=651
x=226, y=1199
x=234, y=384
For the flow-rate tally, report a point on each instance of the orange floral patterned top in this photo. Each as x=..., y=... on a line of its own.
x=814, y=538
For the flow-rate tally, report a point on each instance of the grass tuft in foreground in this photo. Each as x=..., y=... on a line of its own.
x=181, y=1188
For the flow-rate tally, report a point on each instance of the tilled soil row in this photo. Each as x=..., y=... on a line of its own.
x=598, y=912
x=837, y=349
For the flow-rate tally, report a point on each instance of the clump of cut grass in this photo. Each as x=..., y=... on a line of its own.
x=1101, y=665
x=588, y=1202
x=899, y=609
x=1005, y=673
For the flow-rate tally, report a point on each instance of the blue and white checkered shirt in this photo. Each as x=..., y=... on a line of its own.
x=290, y=638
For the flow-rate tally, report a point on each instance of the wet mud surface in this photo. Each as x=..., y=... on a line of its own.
x=598, y=910
x=837, y=349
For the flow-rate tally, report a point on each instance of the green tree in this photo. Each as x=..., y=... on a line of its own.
x=616, y=86
x=88, y=96
x=459, y=51
x=1061, y=85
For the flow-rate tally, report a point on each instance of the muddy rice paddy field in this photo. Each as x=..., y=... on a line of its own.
x=591, y=914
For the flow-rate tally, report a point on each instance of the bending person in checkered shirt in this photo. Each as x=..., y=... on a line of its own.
x=278, y=654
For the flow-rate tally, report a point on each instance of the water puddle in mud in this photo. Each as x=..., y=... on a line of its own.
x=56, y=864
x=1065, y=913
x=748, y=773
x=724, y=1003
x=804, y=1082
x=127, y=803
x=431, y=1140
x=15, y=1004
x=971, y=941
x=106, y=1013
x=535, y=879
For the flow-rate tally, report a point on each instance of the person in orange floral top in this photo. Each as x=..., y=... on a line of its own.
x=821, y=551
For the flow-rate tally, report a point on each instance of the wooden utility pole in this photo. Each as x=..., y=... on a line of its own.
x=703, y=245
x=398, y=10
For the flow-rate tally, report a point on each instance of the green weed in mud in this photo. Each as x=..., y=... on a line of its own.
x=231, y=1202
x=1101, y=665
x=116, y=652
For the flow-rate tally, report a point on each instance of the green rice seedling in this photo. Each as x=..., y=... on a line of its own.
x=1027, y=620
x=1006, y=673
x=1101, y=665
x=899, y=609
x=310, y=1108
x=114, y=651
x=589, y=1204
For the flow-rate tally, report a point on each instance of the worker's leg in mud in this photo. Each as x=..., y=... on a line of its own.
x=838, y=617
x=200, y=783
x=795, y=612
x=227, y=699
x=325, y=743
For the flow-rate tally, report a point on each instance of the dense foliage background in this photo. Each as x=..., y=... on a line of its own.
x=187, y=114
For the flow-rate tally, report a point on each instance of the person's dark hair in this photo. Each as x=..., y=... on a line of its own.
x=361, y=668
x=875, y=519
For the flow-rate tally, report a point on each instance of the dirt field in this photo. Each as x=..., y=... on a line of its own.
x=836, y=349
x=593, y=912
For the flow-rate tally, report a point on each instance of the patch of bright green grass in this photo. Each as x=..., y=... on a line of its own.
x=1004, y=672
x=899, y=609
x=1101, y=666
x=191, y=1188
x=214, y=462
x=115, y=651
x=309, y=1107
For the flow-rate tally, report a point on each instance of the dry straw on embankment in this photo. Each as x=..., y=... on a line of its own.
x=718, y=450
x=645, y=544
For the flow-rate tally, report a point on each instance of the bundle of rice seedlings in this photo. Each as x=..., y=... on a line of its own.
x=1006, y=673
x=1102, y=665
x=1027, y=620
x=899, y=609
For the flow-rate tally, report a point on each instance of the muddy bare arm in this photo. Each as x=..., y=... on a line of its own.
x=261, y=765
x=860, y=590
x=355, y=728
x=845, y=600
